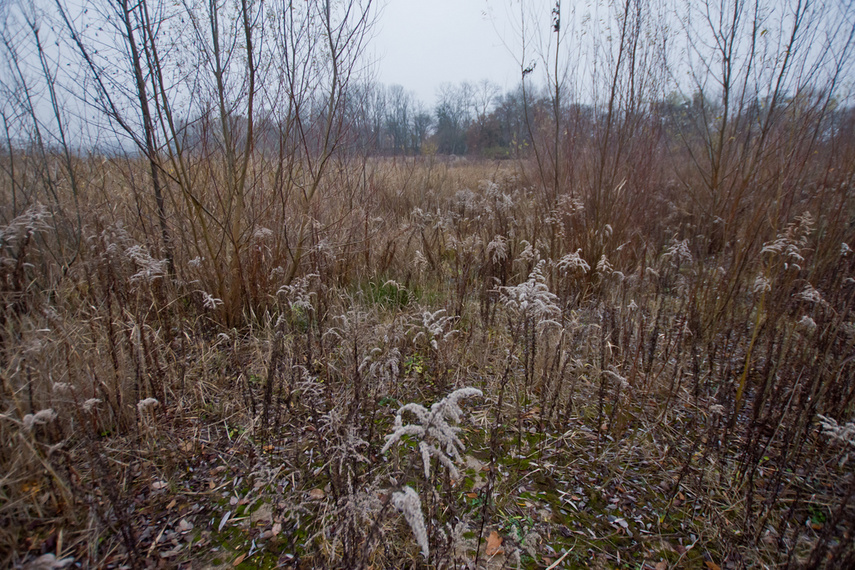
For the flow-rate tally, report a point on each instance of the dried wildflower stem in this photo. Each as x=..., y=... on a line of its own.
x=66, y=492
x=435, y=425
x=12, y=394
x=744, y=377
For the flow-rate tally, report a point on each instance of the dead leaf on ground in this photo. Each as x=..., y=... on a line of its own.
x=317, y=494
x=712, y=565
x=238, y=560
x=172, y=552
x=184, y=526
x=662, y=565
x=494, y=544
x=264, y=514
x=48, y=561
x=224, y=520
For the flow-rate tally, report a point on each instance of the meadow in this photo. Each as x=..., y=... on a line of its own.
x=433, y=362
x=259, y=311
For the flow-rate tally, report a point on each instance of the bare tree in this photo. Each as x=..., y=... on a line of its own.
x=131, y=24
x=30, y=90
x=398, y=118
x=224, y=93
x=453, y=114
x=751, y=66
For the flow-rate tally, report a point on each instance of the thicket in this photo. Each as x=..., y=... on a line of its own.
x=210, y=346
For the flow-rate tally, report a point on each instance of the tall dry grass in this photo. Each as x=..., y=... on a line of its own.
x=691, y=339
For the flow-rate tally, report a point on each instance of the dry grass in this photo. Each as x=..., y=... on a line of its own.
x=651, y=387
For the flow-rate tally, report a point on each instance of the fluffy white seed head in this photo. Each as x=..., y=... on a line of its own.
x=408, y=503
x=41, y=417
x=762, y=285
x=147, y=404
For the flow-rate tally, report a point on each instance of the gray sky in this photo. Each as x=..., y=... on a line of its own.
x=420, y=44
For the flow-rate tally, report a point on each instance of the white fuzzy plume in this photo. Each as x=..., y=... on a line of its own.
x=407, y=501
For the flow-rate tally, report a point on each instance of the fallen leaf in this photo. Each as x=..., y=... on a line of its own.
x=224, y=520
x=238, y=560
x=50, y=561
x=184, y=526
x=170, y=553
x=277, y=528
x=472, y=495
x=662, y=565
x=712, y=565
x=494, y=544
x=264, y=514
x=171, y=504
x=317, y=494
x=157, y=485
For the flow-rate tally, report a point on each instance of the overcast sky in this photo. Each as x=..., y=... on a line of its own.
x=420, y=44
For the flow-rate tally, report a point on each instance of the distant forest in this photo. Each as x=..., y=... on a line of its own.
x=477, y=119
